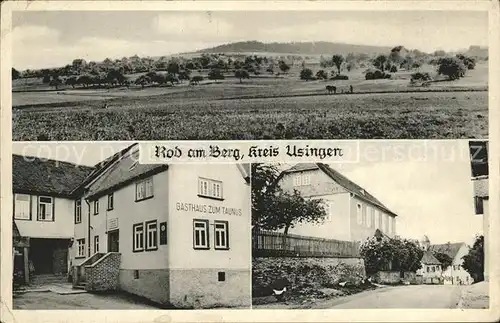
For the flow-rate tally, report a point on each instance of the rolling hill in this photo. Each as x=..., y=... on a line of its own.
x=302, y=48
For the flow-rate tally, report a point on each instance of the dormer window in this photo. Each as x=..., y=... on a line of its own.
x=210, y=188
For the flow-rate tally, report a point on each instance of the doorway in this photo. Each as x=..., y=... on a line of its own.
x=113, y=241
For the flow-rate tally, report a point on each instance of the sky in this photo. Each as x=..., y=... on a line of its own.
x=427, y=183
x=44, y=39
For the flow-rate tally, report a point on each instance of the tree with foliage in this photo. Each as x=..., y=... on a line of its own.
x=195, y=80
x=445, y=260
x=275, y=209
x=84, y=80
x=469, y=62
x=337, y=60
x=306, y=74
x=379, y=62
x=393, y=69
x=72, y=81
x=15, y=74
x=241, y=74
x=284, y=67
x=46, y=78
x=452, y=67
x=171, y=78
x=56, y=81
x=185, y=75
x=215, y=74
x=173, y=67
x=321, y=75
x=473, y=262
x=383, y=254
x=143, y=80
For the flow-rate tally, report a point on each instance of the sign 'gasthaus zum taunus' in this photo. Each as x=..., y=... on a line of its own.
x=205, y=208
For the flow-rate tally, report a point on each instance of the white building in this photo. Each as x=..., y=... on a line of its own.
x=182, y=232
x=455, y=273
x=178, y=234
x=43, y=215
x=353, y=214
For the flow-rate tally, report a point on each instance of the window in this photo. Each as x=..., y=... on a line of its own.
x=200, y=234
x=110, y=201
x=78, y=211
x=163, y=233
x=209, y=188
x=96, y=207
x=478, y=205
x=359, y=214
x=428, y=269
x=96, y=244
x=221, y=233
x=45, y=208
x=80, y=243
x=368, y=216
x=151, y=235
x=297, y=180
x=433, y=268
x=144, y=189
x=138, y=237
x=22, y=207
x=306, y=179
x=377, y=219
x=221, y=276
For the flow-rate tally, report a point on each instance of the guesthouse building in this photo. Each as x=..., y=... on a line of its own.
x=176, y=234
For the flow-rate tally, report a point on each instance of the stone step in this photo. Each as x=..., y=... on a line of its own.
x=47, y=279
x=80, y=286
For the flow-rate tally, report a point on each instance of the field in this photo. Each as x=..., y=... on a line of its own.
x=263, y=107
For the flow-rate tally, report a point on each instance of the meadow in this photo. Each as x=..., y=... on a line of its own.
x=262, y=107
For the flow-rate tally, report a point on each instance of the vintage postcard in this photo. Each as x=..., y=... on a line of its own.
x=249, y=161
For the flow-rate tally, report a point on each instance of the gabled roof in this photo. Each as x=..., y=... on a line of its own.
x=450, y=249
x=342, y=181
x=429, y=259
x=46, y=176
x=245, y=171
x=101, y=167
x=120, y=170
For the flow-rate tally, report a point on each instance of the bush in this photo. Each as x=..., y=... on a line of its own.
x=452, y=67
x=377, y=75
x=339, y=77
x=420, y=77
x=393, y=69
x=306, y=74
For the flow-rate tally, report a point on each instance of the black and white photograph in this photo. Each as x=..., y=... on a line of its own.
x=249, y=75
x=342, y=236
x=94, y=229
x=249, y=161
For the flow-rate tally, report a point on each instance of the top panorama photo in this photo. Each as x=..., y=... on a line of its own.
x=234, y=75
